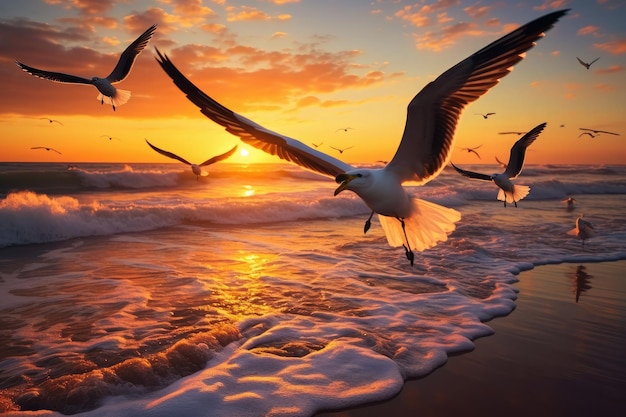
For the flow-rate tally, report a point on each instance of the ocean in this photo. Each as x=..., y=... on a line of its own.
x=140, y=290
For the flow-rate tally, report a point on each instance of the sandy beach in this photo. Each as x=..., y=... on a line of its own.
x=555, y=355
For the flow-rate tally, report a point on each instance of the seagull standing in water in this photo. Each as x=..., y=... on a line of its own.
x=195, y=168
x=108, y=93
x=509, y=192
x=424, y=149
x=583, y=230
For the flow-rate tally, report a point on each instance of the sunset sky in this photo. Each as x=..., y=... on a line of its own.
x=306, y=69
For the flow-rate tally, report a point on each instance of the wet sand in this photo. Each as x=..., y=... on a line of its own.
x=560, y=353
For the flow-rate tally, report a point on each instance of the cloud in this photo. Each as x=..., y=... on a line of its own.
x=551, y=4
x=438, y=41
x=615, y=46
x=613, y=69
x=85, y=7
x=247, y=13
x=590, y=30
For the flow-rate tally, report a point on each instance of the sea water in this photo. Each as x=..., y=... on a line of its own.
x=139, y=289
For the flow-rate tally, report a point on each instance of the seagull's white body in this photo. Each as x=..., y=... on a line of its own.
x=423, y=152
x=195, y=168
x=108, y=93
x=509, y=192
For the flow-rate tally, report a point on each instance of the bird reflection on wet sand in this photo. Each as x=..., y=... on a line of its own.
x=581, y=279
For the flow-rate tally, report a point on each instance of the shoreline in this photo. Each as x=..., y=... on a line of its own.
x=559, y=353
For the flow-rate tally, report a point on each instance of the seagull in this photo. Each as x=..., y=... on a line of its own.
x=597, y=132
x=485, y=116
x=591, y=135
x=510, y=193
x=195, y=168
x=511, y=133
x=51, y=120
x=586, y=65
x=317, y=145
x=583, y=230
x=46, y=148
x=109, y=137
x=473, y=150
x=502, y=164
x=108, y=93
x=424, y=149
x=342, y=150
x=344, y=129
x=569, y=202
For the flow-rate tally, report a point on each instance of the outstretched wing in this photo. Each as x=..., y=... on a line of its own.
x=433, y=113
x=58, y=77
x=252, y=133
x=583, y=63
x=518, y=151
x=168, y=154
x=219, y=157
x=471, y=174
x=127, y=59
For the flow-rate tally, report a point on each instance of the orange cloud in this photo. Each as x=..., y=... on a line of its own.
x=247, y=13
x=551, y=4
x=615, y=47
x=610, y=70
x=589, y=30
x=438, y=41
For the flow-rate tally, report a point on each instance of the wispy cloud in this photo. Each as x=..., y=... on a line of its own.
x=551, y=4
x=612, y=69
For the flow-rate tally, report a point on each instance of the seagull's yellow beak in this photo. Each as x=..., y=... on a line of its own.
x=344, y=179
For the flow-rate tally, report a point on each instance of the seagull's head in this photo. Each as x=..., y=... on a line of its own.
x=353, y=180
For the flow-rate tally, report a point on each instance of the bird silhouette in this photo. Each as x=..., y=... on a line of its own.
x=511, y=133
x=109, y=137
x=342, y=150
x=586, y=65
x=591, y=135
x=47, y=149
x=195, y=168
x=108, y=93
x=597, y=132
x=51, y=120
x=502, y=164
x=317, y=145
x=486, y=115
x=344, y=129
x=509, y=192
x=473, y=150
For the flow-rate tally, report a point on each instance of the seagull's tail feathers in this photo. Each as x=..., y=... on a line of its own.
x=428, y=225
x=519, y=192
x=121, y=97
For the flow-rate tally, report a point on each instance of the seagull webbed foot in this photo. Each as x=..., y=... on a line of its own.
x=409, y=254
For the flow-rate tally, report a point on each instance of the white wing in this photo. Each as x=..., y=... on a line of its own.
x=433, y=113
x=251, y=133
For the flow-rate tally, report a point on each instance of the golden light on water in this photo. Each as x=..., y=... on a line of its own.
x=248, y=191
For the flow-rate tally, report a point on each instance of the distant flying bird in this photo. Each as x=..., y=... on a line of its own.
x=109, y=137
x=502, y=164
x=342, y=150
x=317, y=145
x=586, y=65
x=511, y=133
x=423, y=152
x=46, y=148
x=108, y=93
x=485, y=116
x=344, y=129
x=597, y=132
x=51, y=120
x=469, y=150
x=583, y=230
x=509, y=192
x=591, y=135
x=195, y=168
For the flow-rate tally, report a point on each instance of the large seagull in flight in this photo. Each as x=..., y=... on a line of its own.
x=424, y=149
x=108, y=93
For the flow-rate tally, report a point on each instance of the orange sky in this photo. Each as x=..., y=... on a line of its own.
x=297, y=69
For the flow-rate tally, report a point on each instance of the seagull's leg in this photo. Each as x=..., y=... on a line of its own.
x=113, y=104
x=368, y=223
x=407, y=248
x=515, y=202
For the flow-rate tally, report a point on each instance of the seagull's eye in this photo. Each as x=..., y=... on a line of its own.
x=359, y=175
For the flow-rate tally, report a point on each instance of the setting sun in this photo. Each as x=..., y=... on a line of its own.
x=244, y=153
